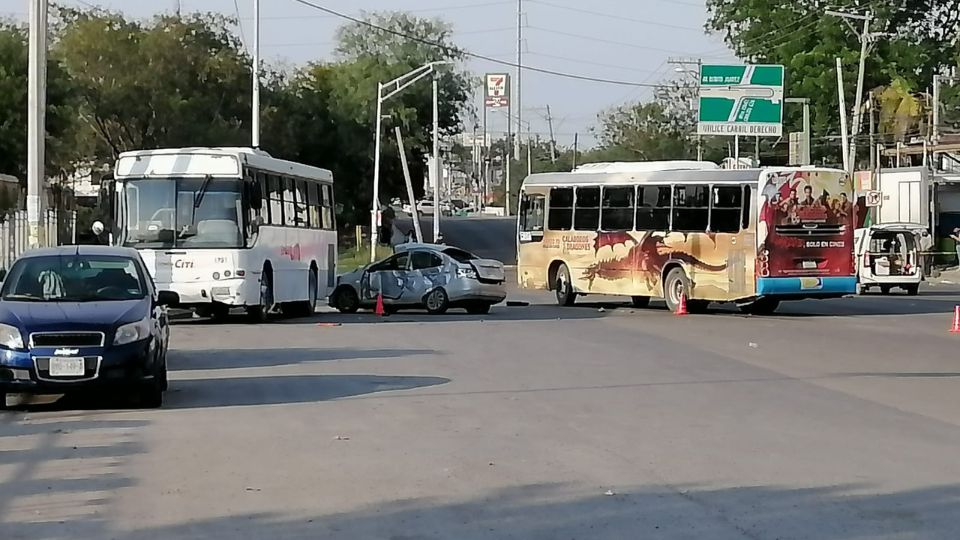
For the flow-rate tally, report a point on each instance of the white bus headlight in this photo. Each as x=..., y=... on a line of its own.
x=10, y=337
x=132, y=332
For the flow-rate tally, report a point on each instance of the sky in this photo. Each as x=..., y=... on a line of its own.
x=624, y=40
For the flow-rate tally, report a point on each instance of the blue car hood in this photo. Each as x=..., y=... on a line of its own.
x=38, y=316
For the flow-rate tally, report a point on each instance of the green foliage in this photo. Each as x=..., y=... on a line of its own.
x=13, y=104
x=168, y=82
x=920, y=39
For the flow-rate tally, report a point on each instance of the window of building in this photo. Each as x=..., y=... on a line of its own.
x=560, y=213
x=618, y=209
x=653, y=208
x=586, y=216
x=726, y=210
x=691, y=208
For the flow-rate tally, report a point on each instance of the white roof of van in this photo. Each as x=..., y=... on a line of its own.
x=645, y=166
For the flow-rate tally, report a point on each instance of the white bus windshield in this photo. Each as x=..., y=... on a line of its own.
x=168, y=213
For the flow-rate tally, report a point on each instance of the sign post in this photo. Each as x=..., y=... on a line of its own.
x=741, y=100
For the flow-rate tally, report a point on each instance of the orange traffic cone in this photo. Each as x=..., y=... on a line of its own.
x=682, y=306
x=956, y=320
x=380, y=311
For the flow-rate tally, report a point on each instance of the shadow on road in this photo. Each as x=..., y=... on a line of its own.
x=192, y=359
x=552, y=511
x=275, y=390
x=38, y=502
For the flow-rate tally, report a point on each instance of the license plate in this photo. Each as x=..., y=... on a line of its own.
x=809, y=265
x=66, y=367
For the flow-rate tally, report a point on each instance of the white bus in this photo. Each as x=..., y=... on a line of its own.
x=689, y=230
x=228, y=228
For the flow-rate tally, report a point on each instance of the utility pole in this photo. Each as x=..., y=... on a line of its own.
x=255, y=119
x=576, y=149
x=406, y=178
x=867, y=38
x=36, y=120
x=436, y=159
x=844, y=139
x=873, y=132
x=553, y=140
x=517, y=97
x=935, y=134
x=506, y=165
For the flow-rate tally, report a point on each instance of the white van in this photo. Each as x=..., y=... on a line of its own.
x=888, y=256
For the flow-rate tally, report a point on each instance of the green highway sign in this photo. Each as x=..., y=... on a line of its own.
x=741, y=100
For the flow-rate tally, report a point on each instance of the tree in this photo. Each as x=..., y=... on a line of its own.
x=921, y=38
x=13, y=103
x=397, y=44
x=173, y=81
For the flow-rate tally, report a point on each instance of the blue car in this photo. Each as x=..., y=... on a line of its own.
x=80, y=319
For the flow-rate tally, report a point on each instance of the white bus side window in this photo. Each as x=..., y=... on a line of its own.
x=653, y=208
x=691, y=208
x=301, y=206
x=313, y=202
x=586, y=214
x=747, y=204
x=560, y=211
x=618, y=209
x=289, y=203
x=725, y=211
x=531, y=216
x=326, y=200
x=275, y=194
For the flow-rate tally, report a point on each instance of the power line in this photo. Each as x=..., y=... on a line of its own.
x=589, y=63
x=422, y=10
x=616, y=17
x=607, y=41
x=236, y=7
x=457, y=50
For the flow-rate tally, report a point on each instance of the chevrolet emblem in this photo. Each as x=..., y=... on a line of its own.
x=66, y=352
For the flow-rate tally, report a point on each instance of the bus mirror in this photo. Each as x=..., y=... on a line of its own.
x=97, y=227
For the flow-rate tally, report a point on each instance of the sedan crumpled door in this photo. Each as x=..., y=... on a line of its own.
x=428, y=272
x=387, y=278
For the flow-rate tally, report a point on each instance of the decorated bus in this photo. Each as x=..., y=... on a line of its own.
x=687, y=229
x=228, y=228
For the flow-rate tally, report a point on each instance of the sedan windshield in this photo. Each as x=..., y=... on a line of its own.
x=182, y=212
x=74, y=278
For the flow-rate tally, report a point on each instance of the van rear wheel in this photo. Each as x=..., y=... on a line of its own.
x=564, y=287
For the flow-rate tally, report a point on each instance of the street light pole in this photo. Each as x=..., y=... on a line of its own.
x=36, y=119
x=255, y=113
x=395, y=86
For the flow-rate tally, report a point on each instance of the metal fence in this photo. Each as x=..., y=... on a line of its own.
x=59, y=226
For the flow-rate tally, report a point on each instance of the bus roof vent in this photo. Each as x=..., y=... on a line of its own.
x=645, y=166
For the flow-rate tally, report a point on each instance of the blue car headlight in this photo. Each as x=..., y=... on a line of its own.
x=10, y=337
x=132, y=332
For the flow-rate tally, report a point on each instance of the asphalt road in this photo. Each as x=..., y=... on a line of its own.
x=834, y=420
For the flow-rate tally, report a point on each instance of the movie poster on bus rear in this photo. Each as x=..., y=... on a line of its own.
x=805, y=226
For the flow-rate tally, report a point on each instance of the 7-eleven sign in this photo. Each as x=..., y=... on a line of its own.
x=498, y=90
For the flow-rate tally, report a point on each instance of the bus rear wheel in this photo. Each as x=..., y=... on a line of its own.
x=677, y=286
x=305, y=308
x=564, y=287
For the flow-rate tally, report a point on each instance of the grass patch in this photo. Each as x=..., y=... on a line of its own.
x=352, y=259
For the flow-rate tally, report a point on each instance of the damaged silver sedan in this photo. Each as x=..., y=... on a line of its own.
x=427, y=276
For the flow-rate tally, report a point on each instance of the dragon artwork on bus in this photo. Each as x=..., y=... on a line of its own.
x=227, y=228
x=688, y=230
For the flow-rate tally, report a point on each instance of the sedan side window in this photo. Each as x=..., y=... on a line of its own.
x=423, y=260
x=395, y=263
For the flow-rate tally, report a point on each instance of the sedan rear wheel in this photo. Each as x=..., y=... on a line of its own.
x=437, y=301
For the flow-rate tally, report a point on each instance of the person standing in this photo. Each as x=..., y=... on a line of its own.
x=956, y=238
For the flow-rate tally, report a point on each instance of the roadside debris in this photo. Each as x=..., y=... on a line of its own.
x=341, y=438
x=609, y=493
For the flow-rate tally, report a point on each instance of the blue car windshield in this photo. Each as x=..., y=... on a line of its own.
x=73, y=278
